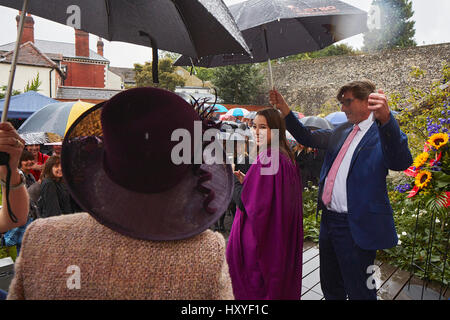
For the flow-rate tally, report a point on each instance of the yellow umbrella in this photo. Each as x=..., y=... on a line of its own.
x=56, y=117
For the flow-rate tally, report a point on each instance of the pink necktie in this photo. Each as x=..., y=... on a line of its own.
x=328, y=189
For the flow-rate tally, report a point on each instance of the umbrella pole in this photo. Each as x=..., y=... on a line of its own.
x=270, y=74
x=12, y=71
x=268, y=59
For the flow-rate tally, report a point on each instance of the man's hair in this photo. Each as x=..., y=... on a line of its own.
x=360, y=89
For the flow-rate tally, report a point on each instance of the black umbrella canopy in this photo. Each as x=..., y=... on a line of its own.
x=192, y=27
x=280, y=28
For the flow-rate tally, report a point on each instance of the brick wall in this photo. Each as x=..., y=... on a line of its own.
x=85, y=75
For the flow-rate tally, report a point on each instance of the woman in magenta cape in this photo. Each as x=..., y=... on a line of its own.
x=264, y=251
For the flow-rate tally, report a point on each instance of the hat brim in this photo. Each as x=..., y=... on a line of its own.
x=174, y=214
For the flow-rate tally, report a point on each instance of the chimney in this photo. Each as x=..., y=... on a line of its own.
x=28, y=28
x=100, y=46
x=81, y=43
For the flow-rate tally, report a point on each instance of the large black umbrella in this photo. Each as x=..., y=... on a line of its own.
x=279, y=28
x=193, y=27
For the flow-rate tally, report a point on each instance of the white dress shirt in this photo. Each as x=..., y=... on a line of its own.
x=339, y=194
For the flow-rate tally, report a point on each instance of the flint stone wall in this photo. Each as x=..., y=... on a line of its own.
x=312, y=83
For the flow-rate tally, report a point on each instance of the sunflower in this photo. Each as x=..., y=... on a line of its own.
x=420, y=160
x=422, y=179
x=437, y=140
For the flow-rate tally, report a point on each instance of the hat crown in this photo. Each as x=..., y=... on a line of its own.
x=137, y=130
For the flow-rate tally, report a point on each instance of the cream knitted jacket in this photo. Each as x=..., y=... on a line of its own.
x=75, y=257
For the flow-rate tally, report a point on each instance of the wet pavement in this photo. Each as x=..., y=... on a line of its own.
x=392, y=282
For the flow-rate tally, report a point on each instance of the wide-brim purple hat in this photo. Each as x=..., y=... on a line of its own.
x=117, y=163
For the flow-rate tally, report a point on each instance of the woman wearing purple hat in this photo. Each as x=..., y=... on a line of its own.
x=144, y=234
x=264, y=250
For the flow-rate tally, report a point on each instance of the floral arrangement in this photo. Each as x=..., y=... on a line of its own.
x=431, y=168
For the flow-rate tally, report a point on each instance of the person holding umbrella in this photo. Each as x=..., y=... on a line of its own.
x=356, y=214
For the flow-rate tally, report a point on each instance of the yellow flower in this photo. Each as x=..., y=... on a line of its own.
x=422, y=179
x=437, y=140
x=420, y=160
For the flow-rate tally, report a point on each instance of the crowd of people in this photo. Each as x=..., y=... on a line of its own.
x=48, y=195
x=146, y=230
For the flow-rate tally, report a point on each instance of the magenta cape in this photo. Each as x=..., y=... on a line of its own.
x=264, y=251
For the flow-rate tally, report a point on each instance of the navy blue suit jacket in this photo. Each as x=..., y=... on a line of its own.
x=382, y=148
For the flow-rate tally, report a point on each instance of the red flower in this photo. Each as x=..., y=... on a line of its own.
x=413, y=192
x=411, y=171
x=448, y=199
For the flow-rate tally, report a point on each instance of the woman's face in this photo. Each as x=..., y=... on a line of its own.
x=57, y=171
x=26, y=165
x=261, y=131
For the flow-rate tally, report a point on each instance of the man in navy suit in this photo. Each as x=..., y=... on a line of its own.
x=357, y=218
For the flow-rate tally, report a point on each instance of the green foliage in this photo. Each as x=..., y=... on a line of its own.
x=31, y=86
x=396, y=30
x=417, y=73
x=422, y=218
x=3, y=92
x=167, y=78
x=204, y=74
x=333, y=50
x=311, y=224
x=445, y=72
x=414, y=243
x=34, y=85
x=239, y=84
x=416, y=108
x=8, y=252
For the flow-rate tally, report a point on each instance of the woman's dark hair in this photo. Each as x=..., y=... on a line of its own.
x=26, y=155
x=48, y=166
x=274, y=121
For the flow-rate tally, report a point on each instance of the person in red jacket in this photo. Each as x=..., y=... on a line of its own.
x=39, y=159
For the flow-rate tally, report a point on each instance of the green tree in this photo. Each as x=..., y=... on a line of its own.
x=33, y=85
x=239, y=84
x=396, y=28
x=204, y=74
x=167, y=78
x=3, y=92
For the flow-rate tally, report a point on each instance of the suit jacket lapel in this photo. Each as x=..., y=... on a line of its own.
x=340, y=142
x=369, y=134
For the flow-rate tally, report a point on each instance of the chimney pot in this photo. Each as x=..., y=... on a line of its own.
x=100, y=46
x=28, y=28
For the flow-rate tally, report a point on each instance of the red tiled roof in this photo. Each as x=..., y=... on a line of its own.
x=30, y=55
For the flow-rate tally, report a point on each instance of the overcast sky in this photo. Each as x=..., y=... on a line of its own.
x=432, y=26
